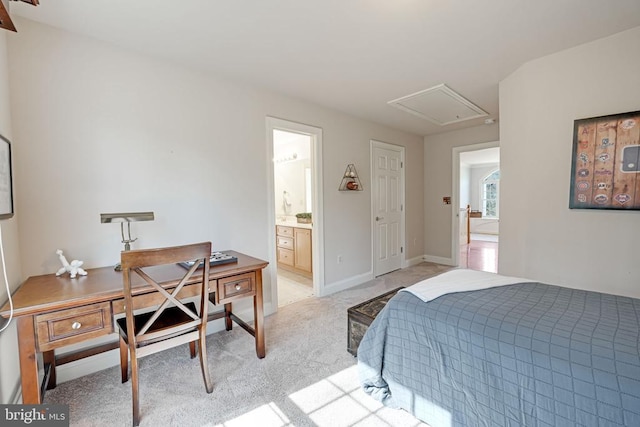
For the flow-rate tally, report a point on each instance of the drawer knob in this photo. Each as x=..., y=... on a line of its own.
x=238, y=287
x=76, y=325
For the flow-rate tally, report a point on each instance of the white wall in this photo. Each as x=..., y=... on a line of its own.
x=465, y=186
x=540, y=237
x=8, y=355
x=103, y=129
x=290, y=177
x=484, y=225
x=292, y=158
x=438, y=162
x=116, y=131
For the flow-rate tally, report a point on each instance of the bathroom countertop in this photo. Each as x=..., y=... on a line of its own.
x=293, y=223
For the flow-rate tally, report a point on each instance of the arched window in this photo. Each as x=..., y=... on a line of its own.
x=491, y=195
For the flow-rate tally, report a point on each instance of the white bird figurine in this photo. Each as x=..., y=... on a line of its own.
x=73, y=269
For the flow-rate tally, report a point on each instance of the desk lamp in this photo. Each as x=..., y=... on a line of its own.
x=127, y=217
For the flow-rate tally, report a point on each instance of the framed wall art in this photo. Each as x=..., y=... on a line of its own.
x=605, y=168
x=6, y=184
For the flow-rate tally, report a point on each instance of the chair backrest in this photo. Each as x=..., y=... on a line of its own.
x=137, y=262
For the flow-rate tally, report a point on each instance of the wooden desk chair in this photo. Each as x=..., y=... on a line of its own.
x=172, y=323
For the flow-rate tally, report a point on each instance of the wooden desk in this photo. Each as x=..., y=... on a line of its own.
x=53, y=312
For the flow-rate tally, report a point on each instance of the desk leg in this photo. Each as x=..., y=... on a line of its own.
x=49, y=358
x=228, y=323
x=258, y=316
x=28, y=361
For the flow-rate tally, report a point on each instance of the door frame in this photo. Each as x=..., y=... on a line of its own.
x=317, y=242
x=455, y=191
x=387, y=146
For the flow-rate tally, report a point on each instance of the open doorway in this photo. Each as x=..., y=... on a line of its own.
x=294, y=215
x=478, y=200
x=296, y=211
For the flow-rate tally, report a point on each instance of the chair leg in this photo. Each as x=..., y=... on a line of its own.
x=124, y=360
x=134, y=390
x=202, y=347
x=192, y=349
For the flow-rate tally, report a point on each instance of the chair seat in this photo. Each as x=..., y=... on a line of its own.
x=168, y=319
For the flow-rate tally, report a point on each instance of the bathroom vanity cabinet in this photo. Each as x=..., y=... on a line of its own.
x=294, y=249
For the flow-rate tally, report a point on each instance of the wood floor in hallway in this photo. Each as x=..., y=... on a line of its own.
x=480, y=255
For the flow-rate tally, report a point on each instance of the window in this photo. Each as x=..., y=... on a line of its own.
x=491, y=195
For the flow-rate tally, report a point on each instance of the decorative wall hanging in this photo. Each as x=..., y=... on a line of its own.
x=605, y=168
x=5, y=19
x=350, y=180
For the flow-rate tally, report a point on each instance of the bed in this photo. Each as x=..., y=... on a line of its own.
x=469, y=348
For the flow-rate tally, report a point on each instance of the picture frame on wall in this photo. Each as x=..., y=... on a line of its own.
x=605, y=163
x=6, y=179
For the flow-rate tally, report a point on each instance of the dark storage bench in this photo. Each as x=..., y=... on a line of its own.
x=360, y=316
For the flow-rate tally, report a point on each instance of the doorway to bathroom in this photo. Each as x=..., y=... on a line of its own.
x=296, y=211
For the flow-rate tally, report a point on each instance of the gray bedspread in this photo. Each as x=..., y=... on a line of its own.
x=528, y=354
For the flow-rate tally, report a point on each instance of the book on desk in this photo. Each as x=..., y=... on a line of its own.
x=216, y=258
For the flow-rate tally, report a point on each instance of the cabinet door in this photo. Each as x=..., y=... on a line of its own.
x=302, y=241
x=286, y=257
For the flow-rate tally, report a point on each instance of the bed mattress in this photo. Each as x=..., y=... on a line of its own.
x=525, y=354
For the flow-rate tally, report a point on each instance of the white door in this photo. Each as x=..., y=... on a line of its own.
x=387, y=200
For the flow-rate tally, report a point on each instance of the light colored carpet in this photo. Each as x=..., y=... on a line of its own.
x=306, y=379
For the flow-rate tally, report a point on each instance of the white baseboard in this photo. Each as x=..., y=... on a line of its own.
x=361, y=278
x=347, y=283
x=89, y=365
x=16, y=397
x=439, y=260
x=413, y=261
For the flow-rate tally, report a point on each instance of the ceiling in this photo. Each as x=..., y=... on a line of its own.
x=349, y=55
x=290, y=146
x=488, y=156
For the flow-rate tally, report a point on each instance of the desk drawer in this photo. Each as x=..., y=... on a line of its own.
x=240, y=286
x=74, y=325
x=154, y=298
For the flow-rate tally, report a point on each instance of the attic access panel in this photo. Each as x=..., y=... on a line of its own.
x=440, y=105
